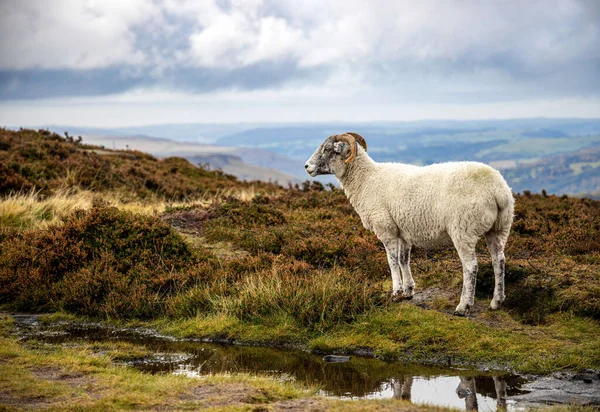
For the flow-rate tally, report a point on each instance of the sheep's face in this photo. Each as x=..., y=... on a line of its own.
x=328, y=158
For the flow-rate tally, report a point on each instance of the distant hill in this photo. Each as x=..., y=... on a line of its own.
x=575, y=173
x=45, y=162
x=245, y=164
x=234, y=165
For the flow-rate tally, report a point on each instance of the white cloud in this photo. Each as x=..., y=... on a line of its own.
x=94, y=34
x=70, y=34
x=240, y=37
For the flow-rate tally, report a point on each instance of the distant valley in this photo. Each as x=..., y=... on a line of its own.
x=245, y=163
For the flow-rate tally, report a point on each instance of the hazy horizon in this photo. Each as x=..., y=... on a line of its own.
x=415, y=122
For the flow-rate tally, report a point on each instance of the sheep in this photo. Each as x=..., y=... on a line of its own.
x=439, y=205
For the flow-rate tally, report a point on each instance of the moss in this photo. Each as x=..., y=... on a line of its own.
x=412, y=334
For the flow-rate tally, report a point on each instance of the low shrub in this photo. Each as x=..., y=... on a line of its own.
x=101, y=262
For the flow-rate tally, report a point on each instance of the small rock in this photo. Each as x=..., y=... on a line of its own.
x=335, y=358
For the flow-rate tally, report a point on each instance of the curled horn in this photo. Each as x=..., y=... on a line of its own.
x=359, y=139
x=353, y=139
x=348, y=138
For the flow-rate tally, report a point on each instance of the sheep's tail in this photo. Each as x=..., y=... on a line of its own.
x=506, y=207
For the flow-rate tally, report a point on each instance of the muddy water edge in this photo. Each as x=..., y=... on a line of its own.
x=356, y=378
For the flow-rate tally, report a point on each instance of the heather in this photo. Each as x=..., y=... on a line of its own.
x=46, y=162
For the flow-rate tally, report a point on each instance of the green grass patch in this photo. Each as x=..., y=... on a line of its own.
x=85, y=377
x=409, y=333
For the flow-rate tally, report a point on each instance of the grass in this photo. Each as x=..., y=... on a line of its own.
x=32, y=210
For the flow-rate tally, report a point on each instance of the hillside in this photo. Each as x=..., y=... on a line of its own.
x=574, y=172
x=244, y=163
x=46, y=162
x=257, y=264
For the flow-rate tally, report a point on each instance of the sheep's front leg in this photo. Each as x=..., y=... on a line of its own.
x=404, y=260
x=392, y=249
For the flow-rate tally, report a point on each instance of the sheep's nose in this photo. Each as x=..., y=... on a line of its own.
x=306, y=166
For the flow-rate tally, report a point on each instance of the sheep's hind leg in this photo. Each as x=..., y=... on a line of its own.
x=392, y=249
x=404, y=259
x=496, y=242
x=469, y=264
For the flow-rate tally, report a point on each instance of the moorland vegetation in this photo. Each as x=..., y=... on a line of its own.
x=194, y=252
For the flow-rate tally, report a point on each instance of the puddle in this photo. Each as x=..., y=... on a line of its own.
x=354, y=379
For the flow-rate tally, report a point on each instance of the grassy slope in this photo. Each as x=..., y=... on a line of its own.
x=296, y=267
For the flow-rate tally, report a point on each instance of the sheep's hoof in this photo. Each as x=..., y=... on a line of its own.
x=462, y=311
x=495, y=305
x=397, y=297
x=408, y=295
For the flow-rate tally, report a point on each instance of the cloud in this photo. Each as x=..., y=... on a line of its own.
x=463, y=51
x=66, y=34
x=241, y=39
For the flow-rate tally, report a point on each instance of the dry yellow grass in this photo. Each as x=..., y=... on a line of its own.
x=30, y=210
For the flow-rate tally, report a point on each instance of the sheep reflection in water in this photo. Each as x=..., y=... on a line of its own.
x=402, y=388
x=466, y=390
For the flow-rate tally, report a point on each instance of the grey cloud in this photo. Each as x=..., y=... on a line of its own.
x=500, y=50
x=34, y=84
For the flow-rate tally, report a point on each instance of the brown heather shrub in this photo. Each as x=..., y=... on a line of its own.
x=552, y=224
x=102, y=262
x=317, y=227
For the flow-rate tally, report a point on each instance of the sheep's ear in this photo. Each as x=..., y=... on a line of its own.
x=338, y=147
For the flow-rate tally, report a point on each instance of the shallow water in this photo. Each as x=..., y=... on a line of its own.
x=355, y=379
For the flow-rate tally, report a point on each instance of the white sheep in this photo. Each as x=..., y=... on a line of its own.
x=433, y=206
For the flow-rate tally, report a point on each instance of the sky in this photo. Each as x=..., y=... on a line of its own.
x=109, y=63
